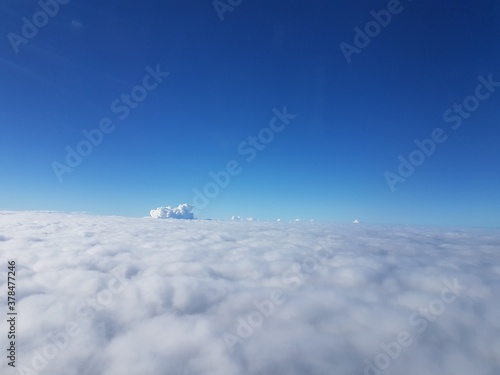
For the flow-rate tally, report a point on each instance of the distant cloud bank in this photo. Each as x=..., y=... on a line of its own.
x=182, y=211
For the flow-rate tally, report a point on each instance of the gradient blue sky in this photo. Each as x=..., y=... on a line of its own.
x=353, y=120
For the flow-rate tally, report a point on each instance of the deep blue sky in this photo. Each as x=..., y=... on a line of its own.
x=353, y=120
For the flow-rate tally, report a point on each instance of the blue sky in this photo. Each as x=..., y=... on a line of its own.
x=352, y=122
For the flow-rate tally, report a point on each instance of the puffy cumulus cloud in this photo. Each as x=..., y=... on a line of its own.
x=182, y=211
x=109, y=295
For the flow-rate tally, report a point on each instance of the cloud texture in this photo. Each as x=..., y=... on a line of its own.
x=182, y=211
x=114, y=295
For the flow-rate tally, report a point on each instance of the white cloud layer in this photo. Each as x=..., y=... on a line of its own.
x=114, y=295
x=182, y=211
